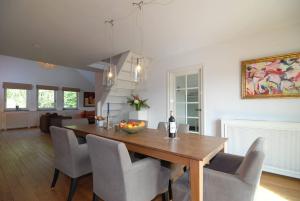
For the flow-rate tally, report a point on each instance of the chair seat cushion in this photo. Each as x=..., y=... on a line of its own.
x=227, y=163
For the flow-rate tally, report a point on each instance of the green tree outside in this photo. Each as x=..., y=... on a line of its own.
x=16, y=97
x=46, y=98
x=70, y=99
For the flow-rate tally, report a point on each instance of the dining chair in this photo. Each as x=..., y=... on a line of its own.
x=70, y=158
x=162, y=126
x=116, y=178
x=183, y=128
x=227, y=177
x=76, y=121
x=177, y=170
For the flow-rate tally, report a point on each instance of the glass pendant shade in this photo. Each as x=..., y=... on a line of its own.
x=138, y=70
x=109, y=76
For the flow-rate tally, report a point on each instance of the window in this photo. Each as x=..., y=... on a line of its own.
x=46, y=99
x=15, y=95
x=70, y=99
x=15, y=99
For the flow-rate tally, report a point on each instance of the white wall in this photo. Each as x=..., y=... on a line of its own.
x=222, y=82
x=26, y=71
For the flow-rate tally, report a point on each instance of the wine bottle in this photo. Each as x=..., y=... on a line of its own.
x=172, y=126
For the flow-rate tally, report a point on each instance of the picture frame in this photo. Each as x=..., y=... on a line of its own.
x=89, y=99
x=271, y=77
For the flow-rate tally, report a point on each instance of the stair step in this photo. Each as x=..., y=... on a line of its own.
x=127, y=66
x=125, y=73
x=125, y=76
x=120, y=92
x=113, y=113
x=112, y=107
x=116, y=99
x=126, y=80
x=124, y=85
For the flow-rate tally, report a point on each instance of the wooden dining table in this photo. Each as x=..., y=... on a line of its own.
x=191, y=150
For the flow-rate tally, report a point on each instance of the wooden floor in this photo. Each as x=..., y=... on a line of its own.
x=26, y=168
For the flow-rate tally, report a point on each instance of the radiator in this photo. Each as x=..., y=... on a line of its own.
x=27, y=119
x=21, y=119
x=282, y=143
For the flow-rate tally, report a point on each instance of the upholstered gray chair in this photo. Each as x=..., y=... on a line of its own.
x=70, y=158
x=176, y=170
x=162, y=126
x=116, y=178
x=227, y=177
x=76, y=121
x=183, y=128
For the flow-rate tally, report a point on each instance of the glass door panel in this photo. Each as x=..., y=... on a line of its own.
x=192, y=110
x=180, y=82
x=187, y=105
x=194, y=124
x=180, y=120
x=192, y=80
x=192, y=95
x=180, y=96
x=180, y=110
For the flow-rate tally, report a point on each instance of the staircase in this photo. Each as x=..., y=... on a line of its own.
x=124, y=87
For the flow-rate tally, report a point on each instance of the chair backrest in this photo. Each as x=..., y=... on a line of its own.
x=162, y=126
x=257, y=145
x=183, y=128
x=77, y=121
x=251, y=166
x=65, y=144
x=110, y=161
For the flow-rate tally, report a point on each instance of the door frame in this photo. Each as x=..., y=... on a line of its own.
x=171, y=73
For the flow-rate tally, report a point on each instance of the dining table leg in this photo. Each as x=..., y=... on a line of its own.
x=196, y=180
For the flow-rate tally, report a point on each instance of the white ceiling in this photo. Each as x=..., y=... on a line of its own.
x=73, y=33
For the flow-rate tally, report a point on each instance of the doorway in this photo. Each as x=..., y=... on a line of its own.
x=185, y=97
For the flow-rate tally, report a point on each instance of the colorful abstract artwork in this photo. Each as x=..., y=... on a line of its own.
x=271, y=77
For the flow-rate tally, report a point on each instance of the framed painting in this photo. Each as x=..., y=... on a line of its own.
x=89, y=99
x=271, y=77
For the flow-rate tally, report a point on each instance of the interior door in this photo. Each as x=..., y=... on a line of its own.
x=185, y=97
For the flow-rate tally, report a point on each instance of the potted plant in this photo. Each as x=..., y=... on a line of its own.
x=137, y=102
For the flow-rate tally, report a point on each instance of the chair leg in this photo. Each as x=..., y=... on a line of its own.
x=165, y=196
x=95, y=197
x=55, y=177
x=170, y=190
x=72, y=188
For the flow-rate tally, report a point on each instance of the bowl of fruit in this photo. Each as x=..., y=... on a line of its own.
x=132, y=126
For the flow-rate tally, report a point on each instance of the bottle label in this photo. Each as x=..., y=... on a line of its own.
x=172, y=127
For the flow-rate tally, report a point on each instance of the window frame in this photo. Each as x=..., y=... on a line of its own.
x=77, y=102
x=46, y=109
x=15, y=109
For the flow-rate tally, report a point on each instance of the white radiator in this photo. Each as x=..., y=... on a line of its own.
x=18, y=119
x=27, y=119
x=282, y=143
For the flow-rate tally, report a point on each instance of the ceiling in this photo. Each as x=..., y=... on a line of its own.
x=73, y=33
